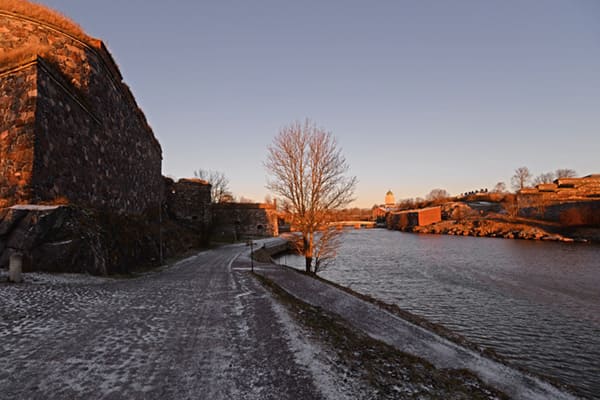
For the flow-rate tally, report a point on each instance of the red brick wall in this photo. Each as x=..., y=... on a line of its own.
x=429, y=216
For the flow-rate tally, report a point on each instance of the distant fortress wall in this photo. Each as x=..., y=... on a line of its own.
x=70, y=129
x=565, y=189
x=239, y=220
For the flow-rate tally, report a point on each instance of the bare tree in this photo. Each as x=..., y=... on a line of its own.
x=219, y=192
x=438, y=194
x=565, y=173
x=521, y=178
x=499, y=188
x=546, y=177
x=307, y=169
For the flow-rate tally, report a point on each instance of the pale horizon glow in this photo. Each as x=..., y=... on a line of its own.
x=420, y=95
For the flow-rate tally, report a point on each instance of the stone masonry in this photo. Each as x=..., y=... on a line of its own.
x=188, y=201
x=70, y=129
x=239, y=220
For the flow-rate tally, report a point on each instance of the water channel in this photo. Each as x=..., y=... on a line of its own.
x=535, y=303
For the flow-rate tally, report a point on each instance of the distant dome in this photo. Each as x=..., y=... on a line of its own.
x=390, y=200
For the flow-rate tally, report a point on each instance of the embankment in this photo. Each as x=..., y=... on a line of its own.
x=384, y=325
x=271, y=248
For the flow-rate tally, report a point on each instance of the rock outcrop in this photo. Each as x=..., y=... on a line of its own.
x=483, y=227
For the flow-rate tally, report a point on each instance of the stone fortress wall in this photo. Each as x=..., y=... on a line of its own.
x=188, y=201
x=70, y=129
x=243, y=220
x=566, y=189
x=569, y=201
x=71, y=133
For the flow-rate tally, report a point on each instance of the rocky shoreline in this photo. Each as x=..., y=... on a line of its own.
x=503, y=228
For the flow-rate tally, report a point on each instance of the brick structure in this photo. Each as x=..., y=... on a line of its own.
x=70, y=129
x=411, y=218
x=238, y=220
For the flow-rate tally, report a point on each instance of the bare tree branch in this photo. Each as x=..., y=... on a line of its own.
x=521, y=178
x=565, y=173
x=219, y=192
x=307, y=169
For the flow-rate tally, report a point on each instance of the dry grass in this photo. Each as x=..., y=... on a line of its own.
x=46, y=15
x=9, y=58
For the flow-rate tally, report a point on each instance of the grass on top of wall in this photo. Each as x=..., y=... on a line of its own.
x=13, y=57
x=48, y=16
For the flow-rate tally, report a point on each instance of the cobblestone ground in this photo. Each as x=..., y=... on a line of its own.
x=198, y=330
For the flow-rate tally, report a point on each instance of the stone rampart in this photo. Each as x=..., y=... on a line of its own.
x=563, y=189
x=188, y=201
x=18, y=93
x=87, y=142
x=238, y=220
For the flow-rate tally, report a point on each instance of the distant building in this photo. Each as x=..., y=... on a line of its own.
x=410, y=218
x=390, y=200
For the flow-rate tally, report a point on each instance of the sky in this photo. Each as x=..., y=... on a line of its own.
x=419, y=94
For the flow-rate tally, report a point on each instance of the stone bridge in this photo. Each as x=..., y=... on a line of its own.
x=353, y=224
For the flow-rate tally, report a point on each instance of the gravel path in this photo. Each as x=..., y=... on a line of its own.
x=407, y=337
x=203, y=328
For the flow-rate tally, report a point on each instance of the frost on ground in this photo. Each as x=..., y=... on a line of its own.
x=203, y=328
x=330, y=379
x=355, y=366
x=384, y=332
x=195, y=330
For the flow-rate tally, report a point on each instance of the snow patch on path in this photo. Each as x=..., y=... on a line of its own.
x=314, y=359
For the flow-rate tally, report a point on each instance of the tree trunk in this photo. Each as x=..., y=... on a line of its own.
x=308, y=263
x=308, y=251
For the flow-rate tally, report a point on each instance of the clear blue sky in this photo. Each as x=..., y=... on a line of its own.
x=420, y=94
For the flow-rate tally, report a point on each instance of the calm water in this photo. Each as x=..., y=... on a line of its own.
x=536, y=303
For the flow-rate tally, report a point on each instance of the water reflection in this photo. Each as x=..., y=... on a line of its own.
x=536, y=303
